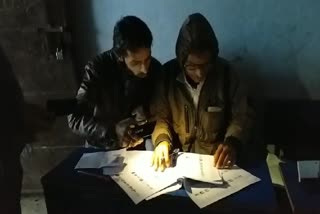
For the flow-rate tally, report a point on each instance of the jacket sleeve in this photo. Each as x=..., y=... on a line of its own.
x=82, y=121
x=11, y=109
x=161, y=109
x=242, y=115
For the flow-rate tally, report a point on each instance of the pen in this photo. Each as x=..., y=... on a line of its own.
x=174, y=156
x=220, y=171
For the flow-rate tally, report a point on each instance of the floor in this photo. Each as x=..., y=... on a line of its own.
x=35, y=203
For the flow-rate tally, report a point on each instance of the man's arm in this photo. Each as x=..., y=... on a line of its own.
x=242, y=115
x=240, y=125
x=83, y=122
x=11, y=109
x=161, y=110
x=161, y=136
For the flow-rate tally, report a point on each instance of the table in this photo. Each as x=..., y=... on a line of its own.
x=68, y=191
x=304, y=197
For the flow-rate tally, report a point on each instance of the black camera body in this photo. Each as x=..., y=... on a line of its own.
x=143, y=128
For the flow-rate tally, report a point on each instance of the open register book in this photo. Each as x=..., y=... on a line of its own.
x=203, y=183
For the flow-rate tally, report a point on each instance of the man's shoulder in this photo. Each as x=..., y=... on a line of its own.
x=172, y=63
x=155, y=62
x=223, y=63
x=102, y=62
x=155, y=65
x=226, y=69
x=107, y=57
x=171, y=68
x=224, y=66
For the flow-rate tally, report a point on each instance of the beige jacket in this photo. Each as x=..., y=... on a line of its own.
x=217, y=117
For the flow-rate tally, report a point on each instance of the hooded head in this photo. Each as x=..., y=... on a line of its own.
x=196, y=47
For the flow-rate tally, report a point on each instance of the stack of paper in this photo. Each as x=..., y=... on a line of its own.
x=204, y=194
x=139, y=180
x=111, y=162
x=308, y=169
x=203, y=183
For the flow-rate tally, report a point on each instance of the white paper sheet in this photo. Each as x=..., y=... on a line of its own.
x=115, y=170
x=90, y=160
x=135, y=187
x=139, y=180
x=96, y=160
x=198, y=167
x=204, y=194
x=171, y=188
x=274, y=169
x=113, y=158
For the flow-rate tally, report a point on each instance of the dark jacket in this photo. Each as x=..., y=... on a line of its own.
x=108, y=94
x=22, y=121
x=222, y=112
x=11, y=109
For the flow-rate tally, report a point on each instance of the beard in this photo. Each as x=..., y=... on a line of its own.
x=141, y=75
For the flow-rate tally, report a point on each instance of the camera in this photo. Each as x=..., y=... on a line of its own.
x=142, y=128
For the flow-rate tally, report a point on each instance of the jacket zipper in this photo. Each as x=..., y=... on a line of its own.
x=186, y=118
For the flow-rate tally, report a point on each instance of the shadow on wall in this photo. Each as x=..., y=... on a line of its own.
x=286, y=82
x=83, y=31
x=270, y=79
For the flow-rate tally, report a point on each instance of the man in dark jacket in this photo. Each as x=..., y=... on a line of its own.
x=116, y=89
x=201, y=103
x=21, y=122
x=11, y=109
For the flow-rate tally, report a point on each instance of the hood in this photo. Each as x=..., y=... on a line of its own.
x=197, y=34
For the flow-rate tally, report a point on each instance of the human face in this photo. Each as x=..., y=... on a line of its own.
x=197, y=66
x=138, y=61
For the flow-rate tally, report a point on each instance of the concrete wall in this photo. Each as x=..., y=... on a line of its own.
x=274, y=44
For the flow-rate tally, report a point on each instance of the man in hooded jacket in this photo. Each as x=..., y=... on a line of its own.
x=201, y=105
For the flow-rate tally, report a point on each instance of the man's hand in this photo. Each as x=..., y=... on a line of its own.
x=160, y=157
x=130, y=140
x=125, y=135
x=225, y=156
